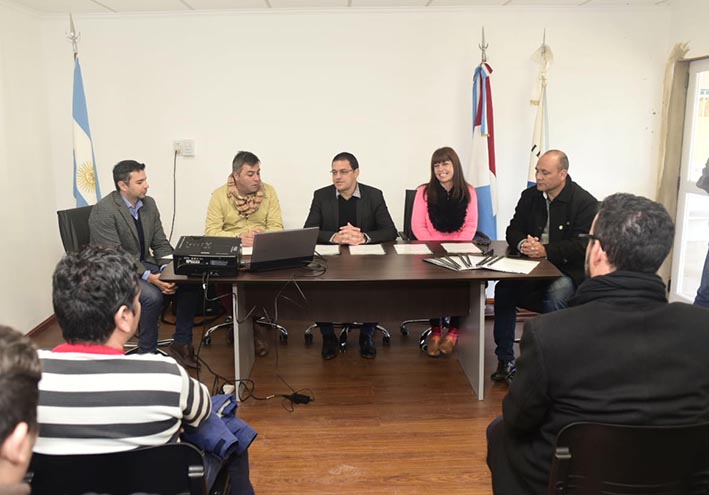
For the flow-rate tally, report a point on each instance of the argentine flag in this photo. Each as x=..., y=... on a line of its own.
x=481, y=169
x=86, y=190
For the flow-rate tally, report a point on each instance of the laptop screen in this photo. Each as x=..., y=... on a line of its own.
x=283, y=249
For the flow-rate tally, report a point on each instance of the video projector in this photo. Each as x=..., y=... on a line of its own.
x=213, y=256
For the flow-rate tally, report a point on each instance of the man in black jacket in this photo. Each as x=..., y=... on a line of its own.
x=547, y=222
x=620, y=354
x=350, y=213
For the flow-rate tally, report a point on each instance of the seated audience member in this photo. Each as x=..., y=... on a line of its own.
x=129, y=218
x=243, y=207
x=349, y=213
x=93, y=398
x=546, y=224
x=20, y=372
x=702, y=298
x=619, y=354
x=445, y=209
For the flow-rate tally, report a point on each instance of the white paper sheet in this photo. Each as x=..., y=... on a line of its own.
x=363, y=249
x=461, y=247
x=327, y=249
x=412, y=249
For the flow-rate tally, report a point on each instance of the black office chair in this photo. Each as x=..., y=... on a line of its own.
x=74, y=228
x=175, y=468
x=594, y=458
x=75, y=234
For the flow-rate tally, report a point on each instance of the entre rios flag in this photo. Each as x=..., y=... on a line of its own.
x=86, y=189
x=482, y=172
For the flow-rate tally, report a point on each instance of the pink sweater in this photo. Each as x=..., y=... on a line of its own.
x=423, y=228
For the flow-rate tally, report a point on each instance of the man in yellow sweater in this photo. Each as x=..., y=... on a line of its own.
x=243, y=207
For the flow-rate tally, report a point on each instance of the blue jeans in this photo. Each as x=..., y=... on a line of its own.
x=702, y=298
x=151, y=300
x=541, y=296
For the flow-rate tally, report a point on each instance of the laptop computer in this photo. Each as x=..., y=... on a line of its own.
x=283, y=249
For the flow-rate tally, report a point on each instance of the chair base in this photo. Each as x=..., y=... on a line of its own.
x=229, y=323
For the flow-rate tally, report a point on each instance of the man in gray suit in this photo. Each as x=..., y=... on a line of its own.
x=349, y=213
x=129, y=218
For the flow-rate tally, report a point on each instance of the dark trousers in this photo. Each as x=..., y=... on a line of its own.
x=238, y=468
x=327, y=328
x=151, y=300
x=504, y=480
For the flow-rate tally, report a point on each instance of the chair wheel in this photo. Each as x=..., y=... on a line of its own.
x=404, y=331
x=207, y=340
x=423, y=345
x=386, y=340
x=283, y=338
x=230, y=336
x=308, y=339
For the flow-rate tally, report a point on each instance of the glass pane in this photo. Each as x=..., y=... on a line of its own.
x=700, y=133
x=694, y=248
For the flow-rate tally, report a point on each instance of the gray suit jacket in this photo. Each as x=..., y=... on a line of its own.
x=111, y=224
x=373, y=216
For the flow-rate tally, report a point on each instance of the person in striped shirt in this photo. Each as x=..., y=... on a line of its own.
x=93, y=398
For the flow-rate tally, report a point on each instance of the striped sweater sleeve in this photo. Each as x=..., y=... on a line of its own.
x=196, y=404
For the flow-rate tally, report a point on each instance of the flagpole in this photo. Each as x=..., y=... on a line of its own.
x=73, y=36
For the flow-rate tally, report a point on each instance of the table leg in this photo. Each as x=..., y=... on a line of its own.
x=471, y=341
x=244, y=355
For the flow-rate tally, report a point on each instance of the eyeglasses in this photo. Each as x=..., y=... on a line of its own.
x=588, y=237
x=342, y=172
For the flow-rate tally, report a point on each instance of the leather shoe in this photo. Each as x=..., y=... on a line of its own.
x=505, y=371
x=366, y=347
x=434, y=344
x=330, y=346
x=183, y=354
x=261, y=344
x=448, y=344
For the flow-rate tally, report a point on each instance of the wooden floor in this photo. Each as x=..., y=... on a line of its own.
x=402, y=423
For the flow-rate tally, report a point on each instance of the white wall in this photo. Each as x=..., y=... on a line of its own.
x=295, y=88
x=390, y=86
x=689, y=23
x=29, y=248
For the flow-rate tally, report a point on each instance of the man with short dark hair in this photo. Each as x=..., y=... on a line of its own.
x=546, y=224
x=20, y=372
x=619, y=354
x=349, y=213
x=243, y=207
x=95, y=399
x=129, y=218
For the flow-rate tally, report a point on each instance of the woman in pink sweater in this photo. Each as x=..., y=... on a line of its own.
x=445, y=209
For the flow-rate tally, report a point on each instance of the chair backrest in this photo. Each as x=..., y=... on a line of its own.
x=593, y=458
x=74, y=228
x=407, y=233
x=174, y=468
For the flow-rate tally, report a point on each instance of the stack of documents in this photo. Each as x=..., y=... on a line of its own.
x=463, y=262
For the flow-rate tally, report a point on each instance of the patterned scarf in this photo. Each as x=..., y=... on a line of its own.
x=244, y=205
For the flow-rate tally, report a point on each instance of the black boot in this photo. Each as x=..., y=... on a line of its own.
x=366, y=345
x=330, y=346
x=504, y=372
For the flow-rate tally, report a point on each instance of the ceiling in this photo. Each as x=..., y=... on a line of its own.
x=126, y=6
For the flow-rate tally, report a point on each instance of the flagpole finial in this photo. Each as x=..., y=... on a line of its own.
x=483, y=47
x=544, y=41
x=73, y=36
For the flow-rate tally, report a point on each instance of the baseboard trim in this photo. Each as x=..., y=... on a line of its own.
x=42, y=326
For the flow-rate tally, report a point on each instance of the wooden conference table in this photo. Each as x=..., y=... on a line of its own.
x=369, y=288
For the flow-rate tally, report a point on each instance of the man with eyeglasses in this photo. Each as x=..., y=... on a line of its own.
x=349, y=213
x=620, y=354
x=243, y=207
x=547, y=221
